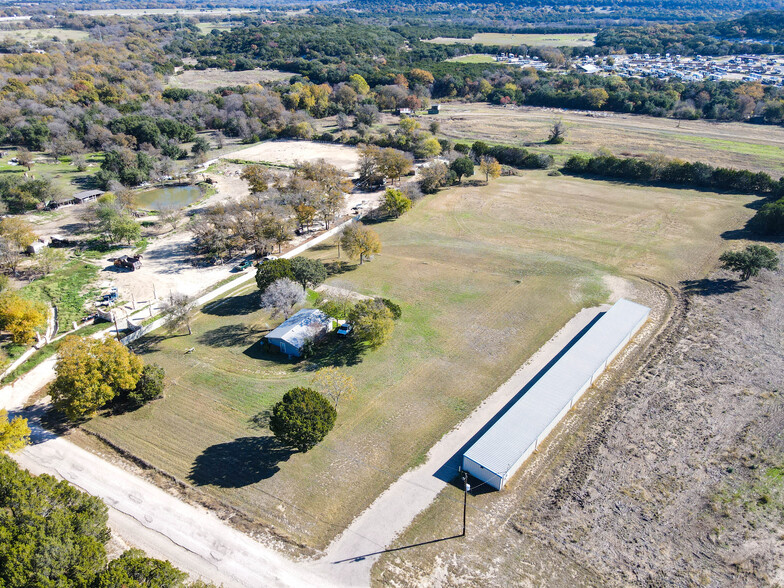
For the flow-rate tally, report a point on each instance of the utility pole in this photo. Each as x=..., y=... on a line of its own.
x=466, y=488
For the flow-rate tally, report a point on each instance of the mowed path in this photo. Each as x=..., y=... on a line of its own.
x=351, y=556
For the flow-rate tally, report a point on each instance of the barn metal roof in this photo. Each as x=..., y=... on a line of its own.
x=507, y=440
x=301, y=326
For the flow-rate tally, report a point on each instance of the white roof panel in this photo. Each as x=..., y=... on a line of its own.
x=507, y=440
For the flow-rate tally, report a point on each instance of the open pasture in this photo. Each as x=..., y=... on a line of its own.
x=288, y=152
x=516, y=39
x=729, y=144
x=40, y=35
x=206, y=80
x=484, y=274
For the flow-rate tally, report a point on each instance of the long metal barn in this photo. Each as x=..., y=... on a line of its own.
x=499, y=453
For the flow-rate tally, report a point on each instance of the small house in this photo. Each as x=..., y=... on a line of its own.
x=86, y=196
x=299, y=329
x=434, y=109
x=404, y=112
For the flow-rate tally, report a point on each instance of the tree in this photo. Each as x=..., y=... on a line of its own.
x=305, y=214
x=490, y=167
x=150, y=385
x=179, y=311
x=302, y=418
x=373, y=322
x=258, y=177
x=169, y=215
x=462, y=166
x=433, y=176
x=49, y=260
x=21, y=317
x=358, y=83
x=334, y=384
x=14, y=433
x=750, y=261
x=124, y=227
x=18, y=231
x=360, y=241
x=393, y=163
x=395, y=203
x=272, y=270
x=557, y=133
x=52, y=534
x=90, y=373
x=200, y=146
x=133, y=569
x=25, y=158
x=282, y=296
x=308, y=272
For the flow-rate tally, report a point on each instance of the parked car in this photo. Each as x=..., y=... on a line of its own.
x=344, y=329
x=241, y=267
x=268, y=258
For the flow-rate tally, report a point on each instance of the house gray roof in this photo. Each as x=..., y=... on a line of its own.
x=301, y=327
x=87, y=194
x=508, y=439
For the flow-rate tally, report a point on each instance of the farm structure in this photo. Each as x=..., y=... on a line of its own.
x=502, y=449
x=307, y=325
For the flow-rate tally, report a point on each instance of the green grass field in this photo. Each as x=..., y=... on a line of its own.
x=532, y=40
x=485, y=275
x=38, y=35
x=62, y=174
x=473, y=58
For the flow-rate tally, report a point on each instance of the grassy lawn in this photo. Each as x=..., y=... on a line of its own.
x=62, y=174
x=67, y=288
x=534, y=40
x=38, y=35
x=485, y=275
x=736, y=145
x=473, y=58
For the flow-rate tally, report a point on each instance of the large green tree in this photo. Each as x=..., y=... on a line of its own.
x=90, y=373
x=750, y=261
x=308, y=272
x=462, y=166
x=396, y=203
x=133, y=569
x=273, y=270
x=373, y=321
x=302, y=418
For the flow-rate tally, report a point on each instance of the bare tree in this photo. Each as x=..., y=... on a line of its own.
x=179, y=311
x=282, y=295
x=169, y=215
x=557, y=133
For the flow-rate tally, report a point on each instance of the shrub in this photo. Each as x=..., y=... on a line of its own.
x=150, y=385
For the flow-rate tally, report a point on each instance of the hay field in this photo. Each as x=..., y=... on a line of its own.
x=287, y=152
x=485, y=275
x=738, y=145
x=206, y=80
x=532, y=40
x=473, y=58
x=38, y=35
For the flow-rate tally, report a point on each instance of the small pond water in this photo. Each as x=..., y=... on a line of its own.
x=168, y=197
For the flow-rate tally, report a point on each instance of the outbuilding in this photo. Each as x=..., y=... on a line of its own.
x=298, y=330
x=86, y=196
x=504, y=447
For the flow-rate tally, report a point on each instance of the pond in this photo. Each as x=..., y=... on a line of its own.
x=168, y=197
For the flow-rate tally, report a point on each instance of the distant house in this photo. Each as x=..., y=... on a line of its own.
x=61, y=201
x=86, y=196
x=294, y=333
x=403, y=112
x=434, y=109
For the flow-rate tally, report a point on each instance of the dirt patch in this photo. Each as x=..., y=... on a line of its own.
x=670, y=476
x=291, y=152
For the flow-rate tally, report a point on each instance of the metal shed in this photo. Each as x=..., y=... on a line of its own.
x=306, y=325
x=502, y=449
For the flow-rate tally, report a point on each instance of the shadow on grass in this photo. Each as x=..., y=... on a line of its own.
x=239, y=463
x=148, y=344
x=335, y=268
x=335, y=351
x=708, y=287
x=233, y=306
x=232, y=336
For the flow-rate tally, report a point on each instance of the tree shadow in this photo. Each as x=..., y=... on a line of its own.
x=335, y=351
x=147, y=344
x=239, y=463
x=45, y=423
x=232, y=336
x=335, y=268
x=712, y=287
x=236, y=305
